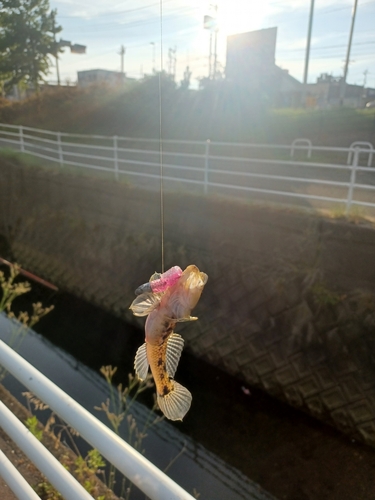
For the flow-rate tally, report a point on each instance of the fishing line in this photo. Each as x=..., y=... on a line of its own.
x=161, y=139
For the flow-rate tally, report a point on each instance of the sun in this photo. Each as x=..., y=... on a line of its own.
x=237, y=16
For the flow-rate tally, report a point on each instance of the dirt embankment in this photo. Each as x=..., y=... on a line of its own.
x=218, y=114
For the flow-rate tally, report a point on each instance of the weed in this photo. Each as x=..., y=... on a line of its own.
x=11, y=289
x=117, y=409
x=85, y=469
x=32, y=424
x=47, y=492
x=54, y=423
x=324, y=297
x=356, y=214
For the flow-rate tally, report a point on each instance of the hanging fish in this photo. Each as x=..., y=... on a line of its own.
x=162, y=349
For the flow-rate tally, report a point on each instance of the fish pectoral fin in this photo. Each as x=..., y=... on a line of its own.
x=188, y=318
x=175, y=344
x=145, y=303
x=141, y=362
x=176, y=403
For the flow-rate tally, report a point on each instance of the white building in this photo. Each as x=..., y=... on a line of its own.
x=95, y=76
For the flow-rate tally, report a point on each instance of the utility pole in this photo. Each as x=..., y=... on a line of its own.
x=215, y=54
x=347, y=60
x=122, y=53
x=153, y=56
x=215, y=43
x=307, y=57
x=210, y=23
x=210, y=58
x=365, y=73
x=172, y=62
x=175, y=63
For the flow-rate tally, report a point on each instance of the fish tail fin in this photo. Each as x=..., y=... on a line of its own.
x=176, y=403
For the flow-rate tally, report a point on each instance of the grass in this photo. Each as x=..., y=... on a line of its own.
x=355, y=215
x=219, y=114
x=27, y=160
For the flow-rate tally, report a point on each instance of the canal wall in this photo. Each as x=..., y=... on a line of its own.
x=289, y=306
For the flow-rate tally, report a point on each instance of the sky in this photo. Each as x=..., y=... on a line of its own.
x=148, y=29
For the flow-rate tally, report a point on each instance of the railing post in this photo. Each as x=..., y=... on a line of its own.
x=352, y=181
x=59, y=148
x=22, y=144
x=301, y=141
x=206, y=165
x=115, y=156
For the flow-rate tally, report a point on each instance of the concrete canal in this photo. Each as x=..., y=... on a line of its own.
x=233, y=435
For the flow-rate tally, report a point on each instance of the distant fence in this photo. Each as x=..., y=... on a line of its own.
x=299, y=173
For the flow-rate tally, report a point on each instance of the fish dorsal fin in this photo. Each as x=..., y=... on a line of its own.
x=145, y=303
x=155, y=276
x=141, y=362
x=175, y=344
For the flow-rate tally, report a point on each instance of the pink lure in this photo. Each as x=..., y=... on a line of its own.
x=166, y=280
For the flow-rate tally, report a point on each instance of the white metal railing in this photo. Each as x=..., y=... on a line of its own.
x=15, y=480
x=59, y=477
x=328, y=174
x=306, y=142
x=141, y=472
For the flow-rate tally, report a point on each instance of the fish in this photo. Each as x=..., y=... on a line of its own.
x=162, y=349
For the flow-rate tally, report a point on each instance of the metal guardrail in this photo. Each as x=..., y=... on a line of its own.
x=334, y=176
x=15, y=480
x=140, y=471
x=61, y=479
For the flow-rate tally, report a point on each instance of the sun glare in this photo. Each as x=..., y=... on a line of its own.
x=237, y=16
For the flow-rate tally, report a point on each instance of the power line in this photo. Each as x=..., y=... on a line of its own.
x=327, y=47
x=116, y=13
x=330, y=56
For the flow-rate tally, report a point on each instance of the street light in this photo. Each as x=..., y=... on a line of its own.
x=74, y=48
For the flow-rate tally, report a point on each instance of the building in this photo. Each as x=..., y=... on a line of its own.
x=95, y=76
x=250, y=65
x=288, y=89
x=325, y=93
x=251, y=58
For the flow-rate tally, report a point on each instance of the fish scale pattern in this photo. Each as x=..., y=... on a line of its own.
x=285, y=308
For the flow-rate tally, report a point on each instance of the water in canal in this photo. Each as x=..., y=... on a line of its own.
x=76, y=339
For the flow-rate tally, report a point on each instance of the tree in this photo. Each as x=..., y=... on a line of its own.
x=27, y=40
